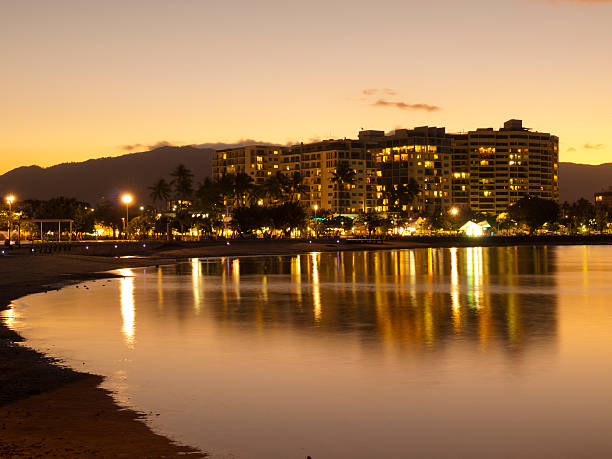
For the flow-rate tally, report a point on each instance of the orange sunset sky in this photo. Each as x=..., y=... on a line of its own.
x=83, y=79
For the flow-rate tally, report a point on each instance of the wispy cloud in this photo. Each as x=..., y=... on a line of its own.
x=144, y=146
x=374, y=91
x=571, y=149
x=238, y=143
x=597, y=146
x=405, y=105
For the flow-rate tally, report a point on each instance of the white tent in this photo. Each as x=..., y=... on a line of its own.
x=476, y=229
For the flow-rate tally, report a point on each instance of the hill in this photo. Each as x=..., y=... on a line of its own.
x=107, y=178
x=582, y=180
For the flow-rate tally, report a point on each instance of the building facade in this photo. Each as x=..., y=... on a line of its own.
x=485, y=170
x=319, y=162
x=257, y=161
x=422, y=155
x=505, y=165
x=604, y=197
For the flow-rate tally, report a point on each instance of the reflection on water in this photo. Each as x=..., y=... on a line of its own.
x=463, y=352
x=127, y=305
x=411, y=299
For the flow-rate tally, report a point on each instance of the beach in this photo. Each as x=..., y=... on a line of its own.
x=47, y=409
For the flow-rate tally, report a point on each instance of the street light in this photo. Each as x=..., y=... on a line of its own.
x=10, y=199
x=315, y=210
x=127, y=199
x=454, y=211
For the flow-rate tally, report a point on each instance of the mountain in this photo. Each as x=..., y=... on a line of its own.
x=583, y=180
x=108, y=178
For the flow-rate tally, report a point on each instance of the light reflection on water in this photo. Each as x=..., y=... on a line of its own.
x=469, y=352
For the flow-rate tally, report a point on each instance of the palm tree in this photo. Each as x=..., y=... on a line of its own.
x=402, y=195
x=160, y=191
x=343, y=176
x=296, y=186
x=243, y=184
x=275, y=186
x=183, y=182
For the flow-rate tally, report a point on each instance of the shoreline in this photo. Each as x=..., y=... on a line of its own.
x=47, y=408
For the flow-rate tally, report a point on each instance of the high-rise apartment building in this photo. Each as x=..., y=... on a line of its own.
x=486, y=170
x=423, y=154
x=257, y=161
x=504, y=166
x=319, y=162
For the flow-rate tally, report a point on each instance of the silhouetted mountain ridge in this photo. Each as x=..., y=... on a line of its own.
x=106, y=177
x=583, y=180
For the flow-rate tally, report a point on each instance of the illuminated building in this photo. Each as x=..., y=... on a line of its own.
x=604, y=197
x=257, y=161
x=423, y=154
x=486, y=170
x=503, y=166
x=319, y=161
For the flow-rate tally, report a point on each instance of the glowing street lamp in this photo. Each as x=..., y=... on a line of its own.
x=10, y=199
x=454, y=211
x=127, y=200
x=315, y=210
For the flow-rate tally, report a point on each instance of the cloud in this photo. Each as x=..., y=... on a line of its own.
x=144, y=146
x=598, y=146
x=238, y=143
x=571, y=149
x=405, y=106
x=371, y=92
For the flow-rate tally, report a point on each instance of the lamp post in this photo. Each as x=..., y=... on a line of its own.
x=127, y=199
x=10, y=199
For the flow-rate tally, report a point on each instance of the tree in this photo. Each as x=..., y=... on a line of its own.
x=275, y=186
x=342, y=176
x=141, y=226
x=246, y=219
x=372, y=221
x=160, y=191
x=209, y=198
x=183, y=183
x=242, y=187
x=534, y=212
x=400, y=196
x=109, y=214
x=288, y=216
x=602, y=217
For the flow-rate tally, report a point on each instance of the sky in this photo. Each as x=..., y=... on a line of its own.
x=82, y=79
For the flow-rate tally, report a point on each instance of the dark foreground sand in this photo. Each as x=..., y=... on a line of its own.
x=49, y=410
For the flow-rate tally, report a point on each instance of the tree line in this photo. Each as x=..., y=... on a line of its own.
x=273, y=207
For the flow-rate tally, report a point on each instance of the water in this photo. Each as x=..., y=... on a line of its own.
x=471, y=352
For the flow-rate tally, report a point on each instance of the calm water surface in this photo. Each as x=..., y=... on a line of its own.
x=470, y=352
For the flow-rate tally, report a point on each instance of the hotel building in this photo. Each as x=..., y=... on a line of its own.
x=423, y=154
x=486, y=170
x=257, y=161
x=604, y=197
x=319, y=161
x=503, y=166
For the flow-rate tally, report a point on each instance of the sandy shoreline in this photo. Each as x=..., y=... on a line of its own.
x=46, y=409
